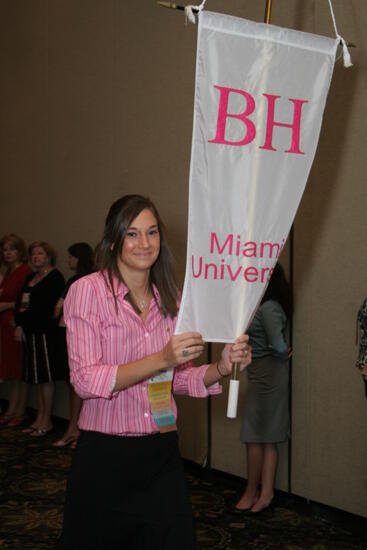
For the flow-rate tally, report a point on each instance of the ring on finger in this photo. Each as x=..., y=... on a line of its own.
x=185, y=352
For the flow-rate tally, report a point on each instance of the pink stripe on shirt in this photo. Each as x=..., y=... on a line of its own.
x=99, y=339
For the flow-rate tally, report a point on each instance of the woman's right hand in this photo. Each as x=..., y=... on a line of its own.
x=18, y=334
x=182, y=348
x=58, y=308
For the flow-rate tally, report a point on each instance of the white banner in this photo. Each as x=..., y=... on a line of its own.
x=260, y=94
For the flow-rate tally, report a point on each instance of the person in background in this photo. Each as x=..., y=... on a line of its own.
x=266, y=415
x=36, y=326
x=80, y=260
x=361, y=363
x=126, y=487
x=13, y=255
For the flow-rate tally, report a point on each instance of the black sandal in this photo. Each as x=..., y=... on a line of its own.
x=29, y=430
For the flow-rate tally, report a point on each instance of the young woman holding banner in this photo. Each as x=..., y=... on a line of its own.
x=126, y=487
x=266, y=416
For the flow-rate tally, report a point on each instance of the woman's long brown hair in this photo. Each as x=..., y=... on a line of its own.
x=120, y=217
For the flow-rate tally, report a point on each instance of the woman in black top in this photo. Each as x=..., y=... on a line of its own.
x=36, y=326
x=80, y=259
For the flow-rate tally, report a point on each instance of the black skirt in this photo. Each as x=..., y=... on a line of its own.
x=127, y=493
x=40, y=358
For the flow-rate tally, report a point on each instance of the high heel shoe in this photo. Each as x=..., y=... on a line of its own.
x=242, y=511
x=247, y=509
x=64, y=441
x=41, y=432
x=16, y=421
x=267, y=510
x=5, y=419
x=29, y=430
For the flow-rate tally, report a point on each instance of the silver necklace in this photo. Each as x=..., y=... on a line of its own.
x=142, y=302
x=42, y=273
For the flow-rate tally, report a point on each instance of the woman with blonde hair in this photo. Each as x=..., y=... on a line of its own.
x=37, y=327
x=13, y=255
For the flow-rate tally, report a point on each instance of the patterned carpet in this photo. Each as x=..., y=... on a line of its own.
x=33, y=480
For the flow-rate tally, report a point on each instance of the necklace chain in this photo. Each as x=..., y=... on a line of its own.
x=142, y=302
x=42, y=273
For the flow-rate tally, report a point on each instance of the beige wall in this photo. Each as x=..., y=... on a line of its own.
x=96, y=101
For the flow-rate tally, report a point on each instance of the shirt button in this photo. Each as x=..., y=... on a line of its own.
x=144, y=389
x=146, y=415
x=147, y=334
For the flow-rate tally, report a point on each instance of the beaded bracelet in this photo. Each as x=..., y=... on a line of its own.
x=222, y=375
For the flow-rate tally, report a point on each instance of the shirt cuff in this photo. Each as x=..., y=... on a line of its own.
x=113, y=382
x=102, y=381
x=196, y=384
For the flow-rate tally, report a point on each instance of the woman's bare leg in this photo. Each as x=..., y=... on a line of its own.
x=255, y=457
x=22, y=393
x=75, y=408
x=270, y=462
x=48, y=392
x=40, y=408
x=13, y=396
x=72, y=431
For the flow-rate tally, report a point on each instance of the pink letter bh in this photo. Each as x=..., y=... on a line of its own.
x=223, y=114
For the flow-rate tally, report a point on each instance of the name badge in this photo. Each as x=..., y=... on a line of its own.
x=160, y=399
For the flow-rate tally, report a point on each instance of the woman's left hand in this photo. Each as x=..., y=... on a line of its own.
x=239, y=352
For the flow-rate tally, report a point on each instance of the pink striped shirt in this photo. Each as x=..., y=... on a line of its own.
x=99, y=339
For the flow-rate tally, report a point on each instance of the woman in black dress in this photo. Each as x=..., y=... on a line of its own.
x=36, y=326
x=80, y=260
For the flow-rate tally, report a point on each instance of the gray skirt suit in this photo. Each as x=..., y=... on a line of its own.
x=266, y=411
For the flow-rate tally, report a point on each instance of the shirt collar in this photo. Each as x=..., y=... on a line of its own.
x=121, y=289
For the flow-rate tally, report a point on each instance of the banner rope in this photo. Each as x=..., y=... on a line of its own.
x=346, y=55
x=190, y=11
